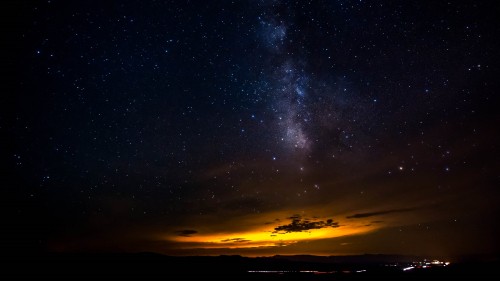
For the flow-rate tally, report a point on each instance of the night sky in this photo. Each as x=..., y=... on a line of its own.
x=251, y=127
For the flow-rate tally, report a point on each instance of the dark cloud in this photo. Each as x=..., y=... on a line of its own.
x=186, y=232
x=366, y=215
x=237, y=240
x=300, y=224
x=276, y=220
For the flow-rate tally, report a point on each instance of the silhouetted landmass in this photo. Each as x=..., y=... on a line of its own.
x=353, y=259
x=304, y=267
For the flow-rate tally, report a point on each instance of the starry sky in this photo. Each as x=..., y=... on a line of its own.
x=251, y=127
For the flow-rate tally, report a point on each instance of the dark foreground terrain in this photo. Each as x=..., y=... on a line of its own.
x=147, y=265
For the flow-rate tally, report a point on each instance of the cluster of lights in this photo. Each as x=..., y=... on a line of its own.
x=426, y=264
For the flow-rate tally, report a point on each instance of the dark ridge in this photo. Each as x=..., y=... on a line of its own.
x=307, y=267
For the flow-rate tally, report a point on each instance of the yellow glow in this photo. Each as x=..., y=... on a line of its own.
x=262, y=236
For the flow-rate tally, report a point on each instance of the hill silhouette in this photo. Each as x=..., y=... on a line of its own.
x=306, y=267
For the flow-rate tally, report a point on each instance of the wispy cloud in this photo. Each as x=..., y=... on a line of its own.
x=186, y=232
x=372, y=214
x=238, y=240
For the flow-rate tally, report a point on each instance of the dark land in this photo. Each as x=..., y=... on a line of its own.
x=303, y=267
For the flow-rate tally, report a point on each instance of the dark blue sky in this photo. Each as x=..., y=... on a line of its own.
x=175, y=126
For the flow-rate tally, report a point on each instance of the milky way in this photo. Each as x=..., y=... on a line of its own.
x=289, y=85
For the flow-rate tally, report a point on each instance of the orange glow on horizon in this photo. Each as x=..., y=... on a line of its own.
x=265, y=236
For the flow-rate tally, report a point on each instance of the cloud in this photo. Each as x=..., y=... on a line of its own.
x=299, y=224
x=238, y=240
x=186, y=232
x=271, y=222
x=366, y=215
